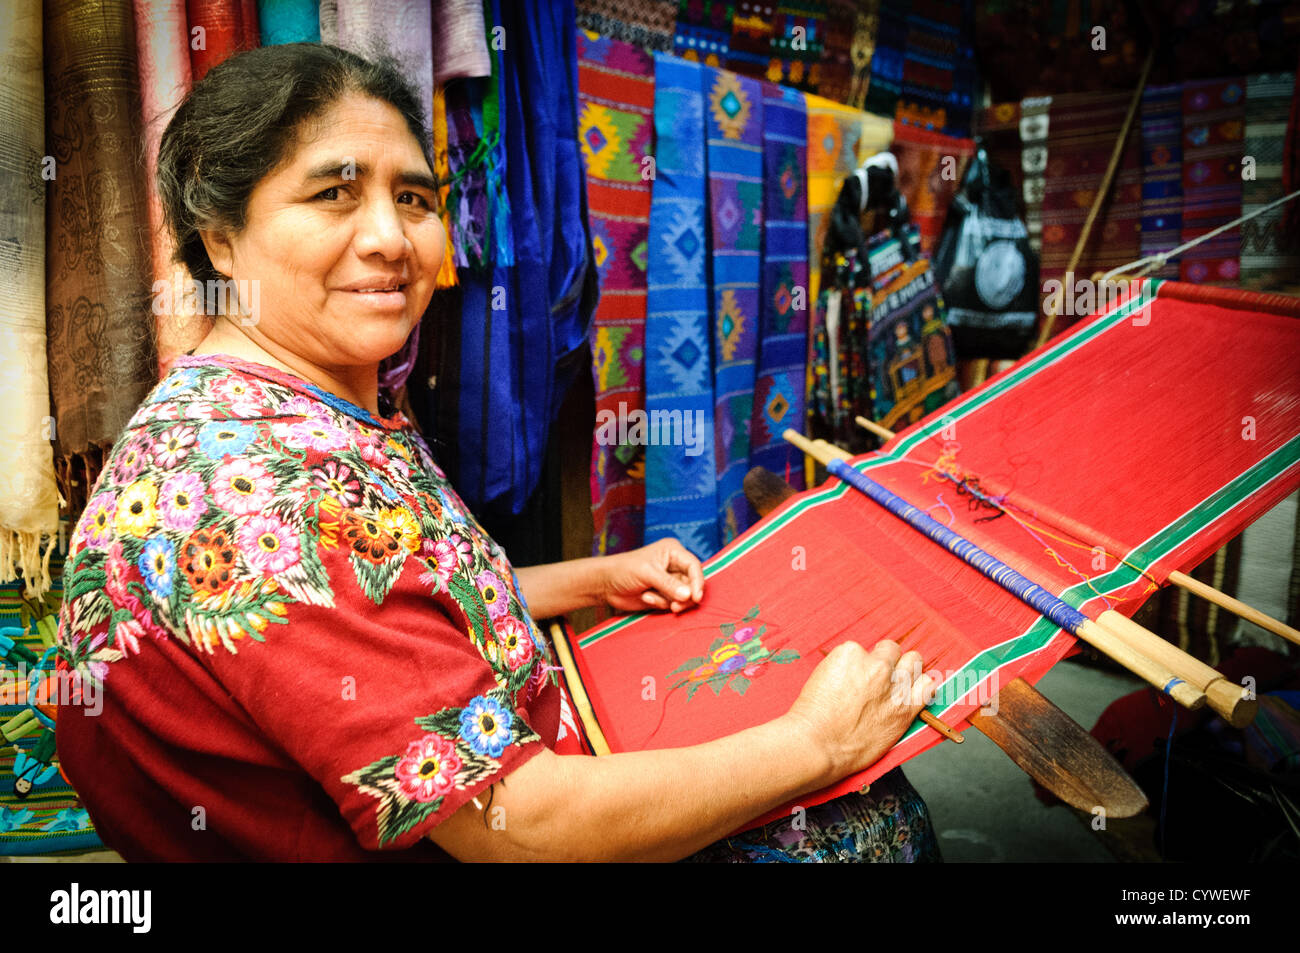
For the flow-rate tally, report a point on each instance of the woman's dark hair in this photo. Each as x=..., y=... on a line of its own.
x=240, y=121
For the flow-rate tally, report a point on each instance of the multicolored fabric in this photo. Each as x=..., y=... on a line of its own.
x=1268, y=260
x=931, y=168
x=734, y=131
x=834, y=75
x=742, y=655
x=923, y=67
x=1162, y=173
x=1214, y=121
x=681, y=494
x=1082, y=138
x=780, y=42
x=890, y=824
x=779, y=379
x=47, y=817
x=616, y=91
x=704, y=31
x=646, y=23
x=294, y=623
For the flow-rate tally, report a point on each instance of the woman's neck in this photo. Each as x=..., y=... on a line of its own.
x=360, y=385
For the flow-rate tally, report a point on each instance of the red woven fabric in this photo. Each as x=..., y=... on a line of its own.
x=1132, y=445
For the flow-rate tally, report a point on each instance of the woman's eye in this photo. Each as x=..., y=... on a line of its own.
x=330, y=195
x=413, y=198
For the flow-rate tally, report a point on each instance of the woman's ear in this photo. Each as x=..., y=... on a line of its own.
x=220, y=252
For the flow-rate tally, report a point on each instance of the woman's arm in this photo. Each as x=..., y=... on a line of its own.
x=667, y=804
x=663, y=575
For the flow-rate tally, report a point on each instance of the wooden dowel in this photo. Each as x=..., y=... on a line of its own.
x=940, y=727
x=1235, y=606
x=881, y=432
x=1225, y=697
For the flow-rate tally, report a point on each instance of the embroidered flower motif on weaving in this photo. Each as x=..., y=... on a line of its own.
x=733, y=659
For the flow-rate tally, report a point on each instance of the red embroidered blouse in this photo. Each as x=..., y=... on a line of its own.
x=305, y=647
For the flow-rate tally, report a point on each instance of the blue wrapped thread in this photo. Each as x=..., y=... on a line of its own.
x=1066, y=616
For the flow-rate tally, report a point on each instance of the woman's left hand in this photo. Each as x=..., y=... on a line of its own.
x=663, y=575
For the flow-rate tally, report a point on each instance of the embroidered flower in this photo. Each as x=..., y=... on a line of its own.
x=494, y=595
x=221, y=439
x=428, y=768
x=368, y=539
x=451, y=512
x=126, y=636
x=99, y=517
x=516, y=641
x=462, y=546
x=485, y=726
x=743, y=634
x=338, y=481
x=115, y=576
x=244, y=396
x=442, y=560
x=180, y=379
x=132, y=459
x=157, y=564
x=300, y=406
x=182, y=501
x=371, y=447
x=173, y=446
x=315, y=435
x=401, y=525
x=242, y=486
x=137, y=509
x=208, y=561
x=268, y=543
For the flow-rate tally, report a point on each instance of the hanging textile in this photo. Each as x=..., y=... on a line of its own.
x=162, y=45
x=835, y=75
x=865, y=24
x=1268, y=260
x=1162, y=172
x=1035, y=121
x=681, y=495
x=645, y=23
x=1213, y=125
x=923, y=66
x=288, y=21
x=734, y=132
x=459, y=40
x=704, y=30
x=1084, y=127
x=779, y=380
x=442, y=172
x=29, y=505
x=780, y=42
x=1162, y=496
x=97, y=276
x=616, y=91
x=931, y=167
x=329, y=22
x=224, y=27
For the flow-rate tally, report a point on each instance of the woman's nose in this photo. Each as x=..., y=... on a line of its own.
x=379, y=230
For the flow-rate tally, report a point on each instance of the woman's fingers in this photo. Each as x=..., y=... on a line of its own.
x=683, y=563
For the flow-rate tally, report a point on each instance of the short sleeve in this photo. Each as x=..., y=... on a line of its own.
x=389, y=706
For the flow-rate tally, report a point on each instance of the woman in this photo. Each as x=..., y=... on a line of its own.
x=308, y=648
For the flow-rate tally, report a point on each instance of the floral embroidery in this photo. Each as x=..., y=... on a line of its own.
x=460, y=748
x=732, y=660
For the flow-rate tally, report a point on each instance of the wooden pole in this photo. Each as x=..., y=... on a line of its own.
x=1103, y=191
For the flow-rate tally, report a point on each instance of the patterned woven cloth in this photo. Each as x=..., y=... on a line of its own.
x=681, y=495
x=616, y=92
x=734, y=133
x=1214, y=120
x=1268, y=260
x=931, y=167
x=782, y=356
x=1162, y=178
x=49, y=818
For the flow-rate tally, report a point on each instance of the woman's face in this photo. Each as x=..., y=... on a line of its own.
x=342, y=239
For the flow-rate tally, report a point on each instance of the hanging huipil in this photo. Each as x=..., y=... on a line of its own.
x=779, y=386
x=681, y=494
x=734, y=127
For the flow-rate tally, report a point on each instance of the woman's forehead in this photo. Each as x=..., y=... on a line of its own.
x=357, y=135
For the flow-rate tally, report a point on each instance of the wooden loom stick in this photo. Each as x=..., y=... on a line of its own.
x=577, y=692
x=1103, y=191
x=1235, y=606
x=1066, y=616
x=1047, y=744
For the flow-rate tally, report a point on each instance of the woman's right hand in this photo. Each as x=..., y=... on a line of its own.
x=857, y=703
